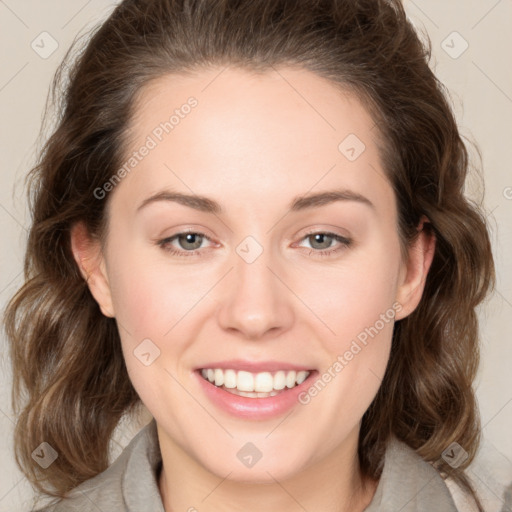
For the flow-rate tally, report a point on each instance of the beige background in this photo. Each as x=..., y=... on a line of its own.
x=480, y=83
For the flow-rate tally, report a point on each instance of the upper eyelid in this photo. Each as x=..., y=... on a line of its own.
x=341, y=239
x=205, y=235
x=177, y=235
x=324, y=232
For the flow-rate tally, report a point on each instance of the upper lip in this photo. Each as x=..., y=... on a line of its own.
x=254, y=366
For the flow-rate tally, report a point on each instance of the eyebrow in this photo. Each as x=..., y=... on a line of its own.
x=205, y=204
x=322, y=198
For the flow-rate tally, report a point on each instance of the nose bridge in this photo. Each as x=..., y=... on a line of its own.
x=255, y=301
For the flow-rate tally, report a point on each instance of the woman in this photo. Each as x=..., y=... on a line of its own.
x=250, y=219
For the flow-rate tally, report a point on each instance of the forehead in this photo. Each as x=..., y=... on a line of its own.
x=279, y=133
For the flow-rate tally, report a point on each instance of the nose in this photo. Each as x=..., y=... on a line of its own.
x=255, y=300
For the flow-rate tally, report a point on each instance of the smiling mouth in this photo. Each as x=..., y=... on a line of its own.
x=254, y=385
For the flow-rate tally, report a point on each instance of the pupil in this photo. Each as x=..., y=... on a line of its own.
x=322, y=239
x=191, y=238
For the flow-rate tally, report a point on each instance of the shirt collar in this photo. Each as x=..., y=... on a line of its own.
x=407, y=482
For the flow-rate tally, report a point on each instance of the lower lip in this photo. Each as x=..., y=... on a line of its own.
x=254, y=408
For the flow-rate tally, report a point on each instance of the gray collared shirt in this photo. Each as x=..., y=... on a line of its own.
x=407, y=483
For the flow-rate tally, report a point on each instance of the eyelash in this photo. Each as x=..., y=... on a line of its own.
x=345, y=243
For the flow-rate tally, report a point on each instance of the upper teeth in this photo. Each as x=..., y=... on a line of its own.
x=259, y=382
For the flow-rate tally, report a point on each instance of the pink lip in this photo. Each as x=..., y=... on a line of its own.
x=254, y=366
x=254, y=408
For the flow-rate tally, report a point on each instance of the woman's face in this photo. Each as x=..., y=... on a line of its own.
x=291, y=268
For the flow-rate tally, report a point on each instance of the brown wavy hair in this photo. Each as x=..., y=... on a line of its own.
x=71, y=387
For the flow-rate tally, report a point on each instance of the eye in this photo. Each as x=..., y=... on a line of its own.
x=184, y=244
x=322, y=243
x=189, y=240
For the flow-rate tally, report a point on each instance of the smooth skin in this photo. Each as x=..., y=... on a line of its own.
x=253, y=144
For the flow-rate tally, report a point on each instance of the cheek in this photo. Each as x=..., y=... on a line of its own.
x=148, y=304
x=155, y=302
x=356, y=354
x=350, y=296
x=149, y=297
x=357, y=304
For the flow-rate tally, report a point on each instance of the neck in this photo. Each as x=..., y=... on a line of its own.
x=334, y=484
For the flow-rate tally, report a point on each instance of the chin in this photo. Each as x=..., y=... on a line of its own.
x=271, y=465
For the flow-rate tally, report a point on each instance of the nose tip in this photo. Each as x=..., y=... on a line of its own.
x=255, y=302
x=252, y=326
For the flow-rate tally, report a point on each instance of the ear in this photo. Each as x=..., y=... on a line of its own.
x=414, y=272
x=89, y=258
